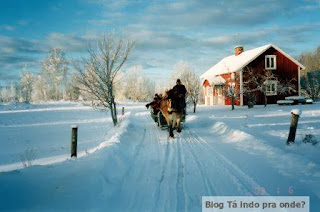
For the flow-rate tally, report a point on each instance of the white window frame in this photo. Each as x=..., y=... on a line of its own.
x=268, y=58
x=269, y=85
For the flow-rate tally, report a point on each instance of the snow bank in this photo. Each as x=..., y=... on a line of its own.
x=287, y=160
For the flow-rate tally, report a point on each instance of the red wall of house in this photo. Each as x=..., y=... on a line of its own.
x=286, y=70
x=228, y=79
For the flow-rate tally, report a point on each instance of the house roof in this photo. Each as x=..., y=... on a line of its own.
x=234, y=63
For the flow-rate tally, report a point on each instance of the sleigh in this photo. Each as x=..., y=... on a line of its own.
x=159, y=118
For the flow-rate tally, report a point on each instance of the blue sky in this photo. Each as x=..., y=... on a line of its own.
x=199, y=32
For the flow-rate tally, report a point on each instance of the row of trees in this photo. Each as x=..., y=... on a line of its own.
x=50, y=84
x=97, y=77
x=56, y=82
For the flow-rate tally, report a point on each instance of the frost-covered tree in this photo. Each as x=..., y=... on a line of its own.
x=39, y=88
x=5, y=94
x=138, y=87
x=72, y=89
x=25, y=85
x=98, y=72
x=189, y=78
x=54, y=72
x=119, y=87
x=8, y=94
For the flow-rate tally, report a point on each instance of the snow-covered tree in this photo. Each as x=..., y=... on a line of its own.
x=8, y=94
x=72, y=89
x=98, y=72
x=137, y=86
x=39, y=88
x=25, y=86
x=54, y=72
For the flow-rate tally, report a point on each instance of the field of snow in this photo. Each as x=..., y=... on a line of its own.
x=45, y=130
x=219, y=153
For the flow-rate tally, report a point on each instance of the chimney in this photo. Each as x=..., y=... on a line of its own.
x=238, y=50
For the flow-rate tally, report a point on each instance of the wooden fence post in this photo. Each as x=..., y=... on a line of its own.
x=122, y=110
x=293, y=126
x=74, y=140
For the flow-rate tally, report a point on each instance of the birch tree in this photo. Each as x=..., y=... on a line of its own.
x=98, y=72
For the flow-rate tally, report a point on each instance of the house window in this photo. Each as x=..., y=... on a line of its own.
x=271, y=87
x=271, y=62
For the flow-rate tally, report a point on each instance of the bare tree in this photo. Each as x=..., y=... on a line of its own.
x=310, y=84
x=264, y=80
x=231, y=90
x=311, y=60
x=97, y=74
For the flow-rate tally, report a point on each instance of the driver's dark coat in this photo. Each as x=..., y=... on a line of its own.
x=179, y=91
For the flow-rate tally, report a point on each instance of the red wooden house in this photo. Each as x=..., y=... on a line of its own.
x=230, y=73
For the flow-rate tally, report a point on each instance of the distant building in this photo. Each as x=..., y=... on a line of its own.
x=223, y=75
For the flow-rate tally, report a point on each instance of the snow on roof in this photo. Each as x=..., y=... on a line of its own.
x=235, y=63
x=216, y=80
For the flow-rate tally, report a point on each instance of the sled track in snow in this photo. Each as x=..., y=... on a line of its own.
x=203, y=173
x=198, y=146
x=180, y=185
x=173, y=158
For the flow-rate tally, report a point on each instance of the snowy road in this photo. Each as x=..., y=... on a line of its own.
x=146, y=171
x=177, y=172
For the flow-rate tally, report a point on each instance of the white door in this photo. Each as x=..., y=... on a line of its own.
x=209, y=96
x=220, y=96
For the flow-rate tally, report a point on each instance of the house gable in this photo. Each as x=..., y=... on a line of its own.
x=235, y=63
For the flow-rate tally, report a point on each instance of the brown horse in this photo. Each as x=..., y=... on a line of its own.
x=173, y=117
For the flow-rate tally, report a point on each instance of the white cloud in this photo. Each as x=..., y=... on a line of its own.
x=7, y=27
x=99, y=22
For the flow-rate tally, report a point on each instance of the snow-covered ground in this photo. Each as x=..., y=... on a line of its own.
x=219, y=152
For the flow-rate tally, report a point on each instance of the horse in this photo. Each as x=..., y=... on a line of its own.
x=173, y=117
